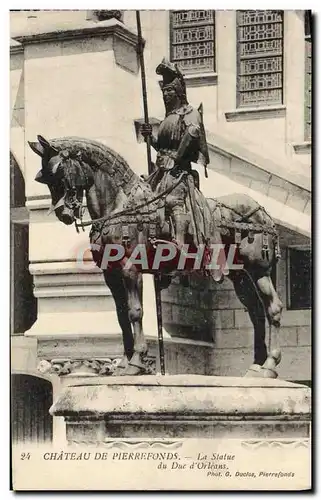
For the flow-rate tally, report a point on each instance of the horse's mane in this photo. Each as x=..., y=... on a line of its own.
x=99, y=157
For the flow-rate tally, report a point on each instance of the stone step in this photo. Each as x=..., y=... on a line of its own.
x=183, y=406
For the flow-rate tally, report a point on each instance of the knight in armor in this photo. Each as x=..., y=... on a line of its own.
x=181, y=135
x=180, y=141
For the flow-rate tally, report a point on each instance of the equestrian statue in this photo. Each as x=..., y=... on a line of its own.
x=165, y=207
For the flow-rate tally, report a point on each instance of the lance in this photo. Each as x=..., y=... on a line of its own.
x=140, y=50
x=157, y=283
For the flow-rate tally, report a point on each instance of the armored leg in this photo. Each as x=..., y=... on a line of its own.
x=181, y=221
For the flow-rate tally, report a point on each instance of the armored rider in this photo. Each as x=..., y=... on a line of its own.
x=181, y=135
x=179, y=142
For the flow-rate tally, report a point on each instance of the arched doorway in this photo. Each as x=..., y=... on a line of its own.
x=23, y=302
x=31, y=398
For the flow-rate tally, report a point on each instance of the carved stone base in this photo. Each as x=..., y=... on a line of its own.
x=88, y=367
x=79, y=367
x=180, y=407
x=85, y=355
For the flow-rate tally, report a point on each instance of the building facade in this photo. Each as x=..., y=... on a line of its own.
x=76, y=73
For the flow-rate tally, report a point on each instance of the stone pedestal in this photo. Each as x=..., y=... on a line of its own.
x=104, y=410
x=81, y=336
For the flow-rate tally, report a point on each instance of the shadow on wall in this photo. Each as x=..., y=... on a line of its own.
x=187, y=310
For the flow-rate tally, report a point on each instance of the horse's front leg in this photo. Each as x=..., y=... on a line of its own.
x=134, y=285
x=114, y=280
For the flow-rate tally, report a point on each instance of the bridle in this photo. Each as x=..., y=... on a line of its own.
x=70, y=197
x=132, y=211
x=72, y=202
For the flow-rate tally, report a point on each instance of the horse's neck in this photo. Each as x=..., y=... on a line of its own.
x=113, y=178
x=104, y=196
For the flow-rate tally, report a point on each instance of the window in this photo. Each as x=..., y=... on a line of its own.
x=192, y=42
x=307, y=100
x=299, y=278
x=259, y=57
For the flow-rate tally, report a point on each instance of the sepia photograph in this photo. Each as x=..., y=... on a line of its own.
x=160, y=250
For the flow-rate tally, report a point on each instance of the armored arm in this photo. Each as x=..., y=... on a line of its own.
x=154, y=142
x=146, y=131
x=192, y=132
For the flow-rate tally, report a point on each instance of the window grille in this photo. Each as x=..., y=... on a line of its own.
x=308, y=77
x=259, y=57
x=192, y=40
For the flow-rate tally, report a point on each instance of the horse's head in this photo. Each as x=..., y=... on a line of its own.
x=67, y=177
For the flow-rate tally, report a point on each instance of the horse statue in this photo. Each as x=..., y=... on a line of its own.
x=125, y=211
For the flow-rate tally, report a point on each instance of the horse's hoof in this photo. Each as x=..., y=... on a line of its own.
x=258, y=371
x=276, y=355
x=136, y=365
x=268, y=373
x=272, y=361
x=118, y=372
x=133, y=370
x=254, y=371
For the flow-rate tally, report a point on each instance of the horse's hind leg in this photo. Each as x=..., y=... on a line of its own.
x=245, y=290
x=271, y=306
x=274, y=308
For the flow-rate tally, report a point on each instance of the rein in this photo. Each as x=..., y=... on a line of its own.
x=130, y=211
